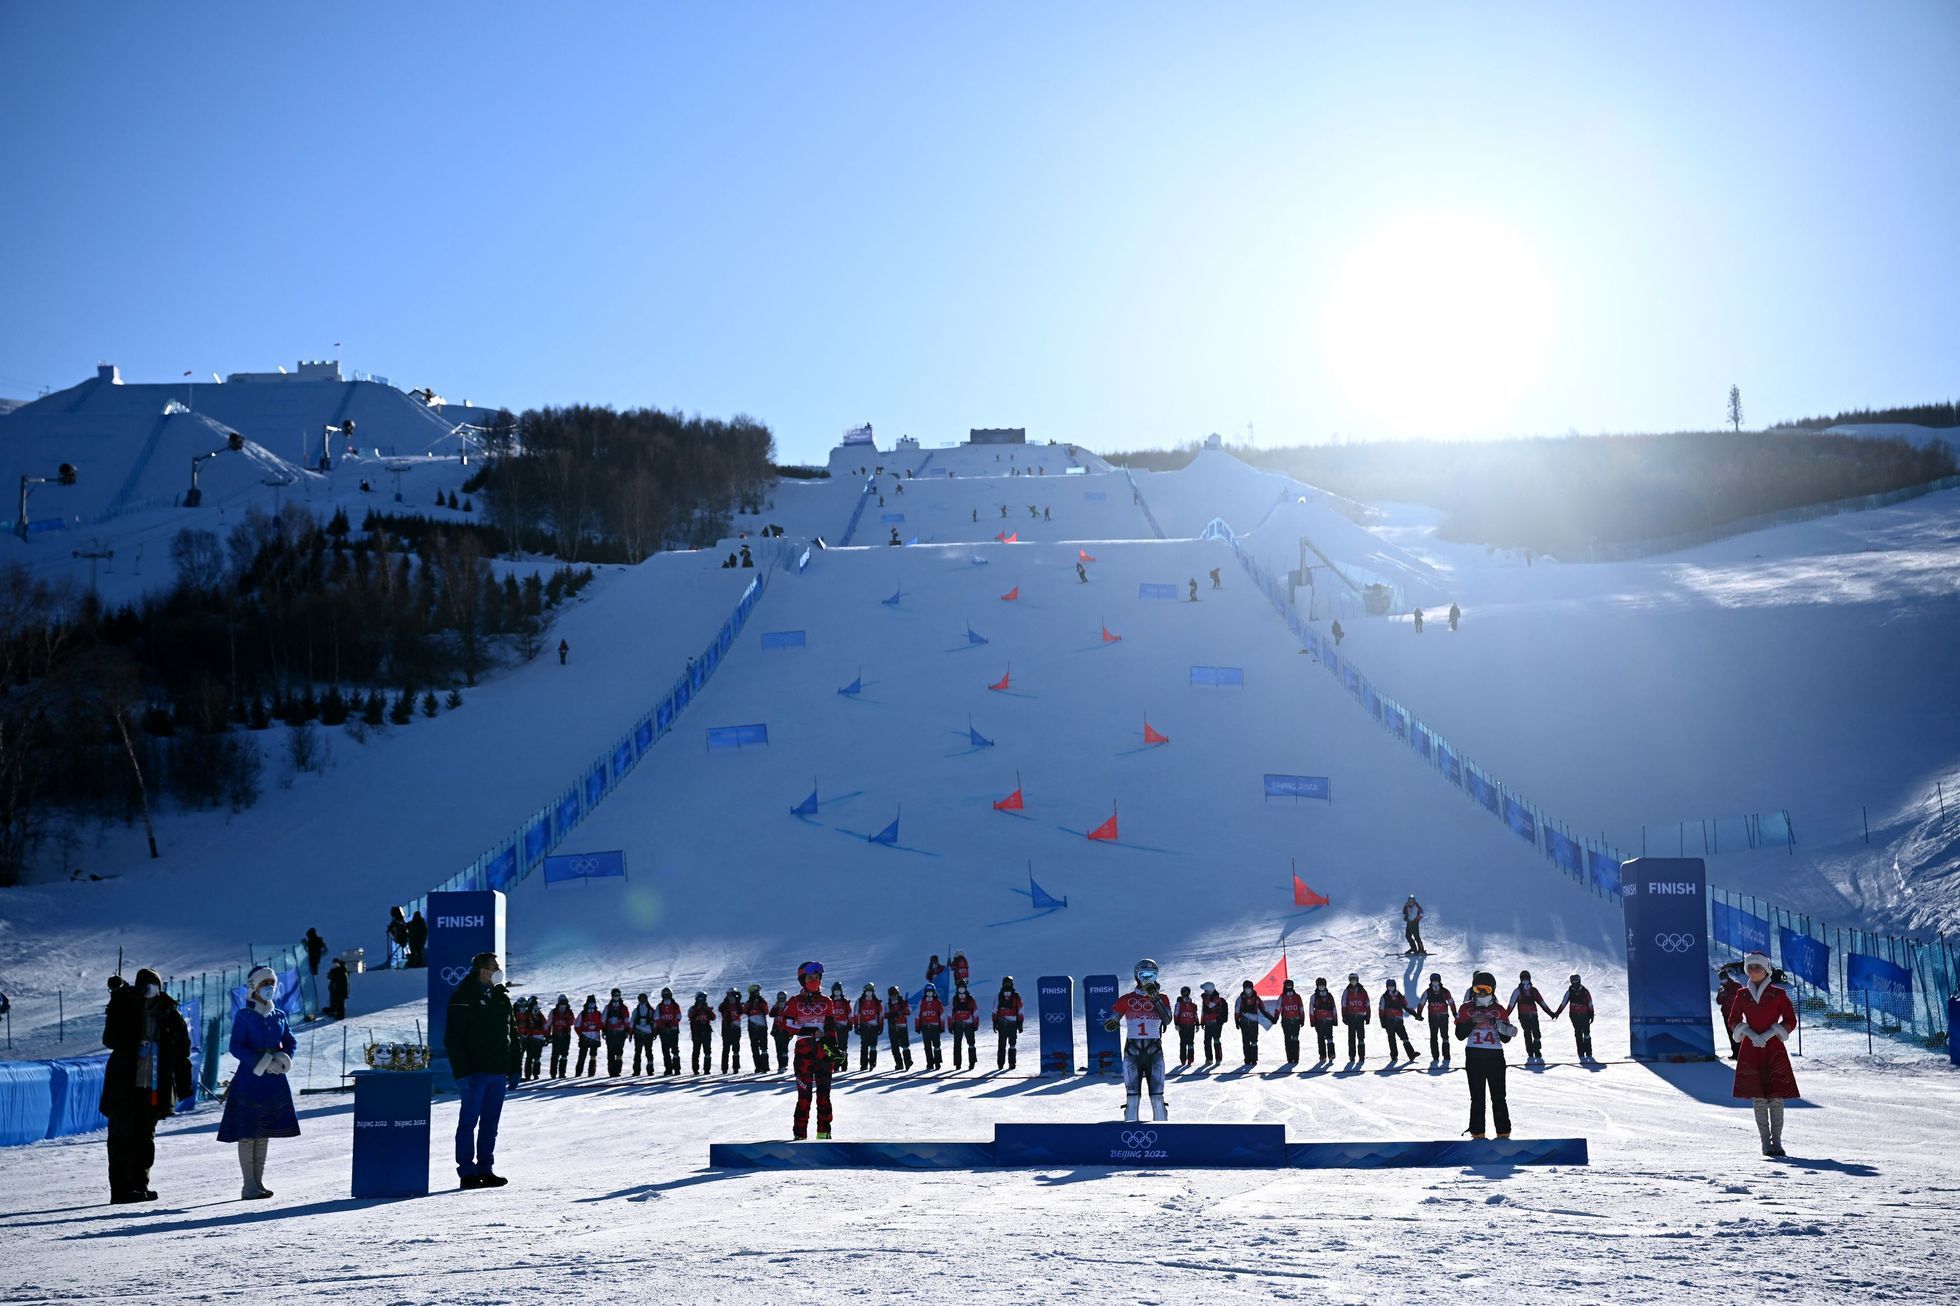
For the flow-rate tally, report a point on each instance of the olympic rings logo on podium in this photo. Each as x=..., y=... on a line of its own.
x=1674, y=943
x=1138, y=1139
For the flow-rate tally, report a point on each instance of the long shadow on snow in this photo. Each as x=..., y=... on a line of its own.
x=1712, y=1082
x=253, y=1215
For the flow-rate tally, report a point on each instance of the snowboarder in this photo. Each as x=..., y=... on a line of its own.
x=1213, y=1012
x=1394, y=1012
x=1440, y=1005
x=976, y=514
x=562, y=1023
x=756, y=1011
x=418, y=942
x=564, y=649
x=1485, y=1027
x=1456, y=615
x=1337, y=632
x=668, y=1016
x=337, y=990
x=1081, y=574
x=869, y=1020
x=1003, y=510
x=700, y=1030
x=259, y=1103
x=932, y=1019
x=591, y=1029
x=1250, y=1013
x=779, y=1031
x=1142, y=1014
x=966, y=1024
x=894, y=539
x=809, y=1017
x=1216, y=583
x=477, y=1040
x=1044, y=514
x=1412, y=927
x=616, y=1022
x=646, y=1023
x=1580, y=1003
x=1323, y=1011
x=1418, y=621
x=1761, y=1019
x=149, y=1072
x=934, y=969
x=1731, y=976
x=1526, y=1002
x=1356, y=1015
x=730, y=1011
x=1292, y=1015
x=1194, y=589
x=1007, y=1024
x=840, y=1015
x=1185, y=1017
x=897, y=1014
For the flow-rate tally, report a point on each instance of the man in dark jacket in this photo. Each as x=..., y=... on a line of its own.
x=309, y=979
x=478, y=1041
x=418, y=942
x=149, y=1072
x=337, y=990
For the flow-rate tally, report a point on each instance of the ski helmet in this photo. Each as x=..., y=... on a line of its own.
x=1006, y=983
x=1435, y=977
x=1524, y=974
x=809, y=969
x=1289, y=986
x=1184, y=992
x=1320, y=982
x=666, y=994
x=1485, y=980
x=1390, y=983
x=1209, y=987
x=1146, y=972
x=1353, y=977
x=1573, y=980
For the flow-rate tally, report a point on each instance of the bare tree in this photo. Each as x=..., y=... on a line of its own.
x=1735, y=407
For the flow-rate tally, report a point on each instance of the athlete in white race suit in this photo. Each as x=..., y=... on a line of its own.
x=1142, y=1013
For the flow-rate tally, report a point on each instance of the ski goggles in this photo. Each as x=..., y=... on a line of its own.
x=1147, y=975
x=1483, y=988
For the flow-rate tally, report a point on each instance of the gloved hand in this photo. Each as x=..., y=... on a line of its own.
x=1506, y=1030
x=1112, y=1024
x=281, y=1064
x=1779, y=1032
x=264, y=1063
x=1739, y=1030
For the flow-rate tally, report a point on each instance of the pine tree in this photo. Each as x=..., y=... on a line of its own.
x=455, y=699
x=404, y=709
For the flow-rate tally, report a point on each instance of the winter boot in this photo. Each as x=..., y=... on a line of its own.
x=1775, y=1127
x=1762, y=1125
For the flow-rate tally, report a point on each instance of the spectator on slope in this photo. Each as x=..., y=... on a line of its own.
x=869, y=1021
x=1355, y=1014
x=779, y=1031
x=616, y=1022
x=1044, y=514
x=1007, y=1024
x=535, y=1031
x=1213, y=1012
x=591, y=1030
x=894, y=539
x=148, y=1073
x=965, y=1024
x=669, y=1013
x=1003, y=510
x=1194, y=589
x=934, y=969
x=700, y=1028
x=1731, y=985
x=748, y=559
x=1337, y=632
x=731, y=1031
x=932, y=1019
x=1323, y=1011
x=897, y=1014
x=1580, y=1003
x=397, y=939
x=1081, y=574
x=1418, y=621
x=840, y=1016
x=1185, y=1017
x=1485, y=1027
x=1763, y=1018
x=309, y=978
x=1526, y=1002
x=514, y=1071
x=1394, y=1012
x=418, y=942
x=646, y=1026
x=563, y=1022
x=811, y=1018
x=976, y=514
x=1250, y=1013
x=1412, y=927
x=961, y=971
x=565, y=648
x=477, y=1040
x=1216, y=583
x=1292, y=1015
x=1440, y=1005
x=337, y=990
x=1456, y=615
x=756, y=1012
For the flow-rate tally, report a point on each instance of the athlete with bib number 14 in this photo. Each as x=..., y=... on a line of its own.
x=1142, y=1014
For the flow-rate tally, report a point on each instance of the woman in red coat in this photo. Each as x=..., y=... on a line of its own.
x=1761, y=1017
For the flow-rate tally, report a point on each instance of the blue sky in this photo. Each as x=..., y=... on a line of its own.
x=1119, y=224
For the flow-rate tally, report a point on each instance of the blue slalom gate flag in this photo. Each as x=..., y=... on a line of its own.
x=892, y=602
x=853, y=688
x=1043, y=900
x=973, y=638
x=977, y=739
x=887, y=836
x=808, y=807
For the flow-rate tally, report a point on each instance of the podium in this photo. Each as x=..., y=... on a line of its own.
x=391, y=1132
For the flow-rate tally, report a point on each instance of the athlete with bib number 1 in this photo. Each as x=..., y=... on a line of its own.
x=819, y=1048
x=1142, y=1014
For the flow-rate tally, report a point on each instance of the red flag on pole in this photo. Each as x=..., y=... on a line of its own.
x=1083, y=555
x=1107, y=830
x=1152, y=735
x=1011, y=595
x=1275, y=980
x=1011, y=803
x=1109, y=638
x=1002, y=682
x=1305, y=897
x=1013, y=537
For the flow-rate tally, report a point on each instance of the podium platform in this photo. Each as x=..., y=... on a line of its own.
x=1138, y=1146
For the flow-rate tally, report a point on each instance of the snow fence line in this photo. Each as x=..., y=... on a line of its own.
x=1907, y=979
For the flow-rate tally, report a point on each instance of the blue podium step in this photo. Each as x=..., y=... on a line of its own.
x=1441, y=1152
x=851, y=1156
x=1141, y=1146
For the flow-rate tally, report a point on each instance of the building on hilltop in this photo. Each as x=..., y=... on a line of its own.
x=318, y=370
x=997, y=435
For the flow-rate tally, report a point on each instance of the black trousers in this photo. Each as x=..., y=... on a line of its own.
x=1413, y=933
x=703, y=1050
x=1394, y=1029
x=132, y=1151
x=868, y=1047
x=615, y=1051
x=1534, y=1037
x=1439, y=1037
x=759, y=1047
x=1582, y=1034
x=533, y=1056
x=1486, y=1068
x=934, y=1057
x=1187, y=1036
x=670, y=1049
x=1291, y=1028
x=901, y=1042
x=782, y=1051
x=588, y=1058
x=1357, y=1037
x=1214, y=1042
x=812, y=1079
x=1249, y=1041
x=1323, y=1038
x=561, y=1049
x=1006, y=1036
x=642, y=1050
x=965, y=1035
x=731, y=1047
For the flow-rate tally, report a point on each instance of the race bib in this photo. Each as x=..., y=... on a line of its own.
x=1143, y=1027
x=1483, y=1036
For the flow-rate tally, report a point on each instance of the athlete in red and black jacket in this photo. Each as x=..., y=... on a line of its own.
x=1356, y=1015
x=755, y=1012
x=1322, y=1014
x=700, y=1033
x=559, y=1024
x=1394, y=1012
x=1007, y=1024
x=1185, y=1016
x=779, y=1030
x=1292, y=1015
x=731, y=1031
x=591, y=1029
x=1578, y=1000
x=1437, y=1003
x=667, y=1019
x=809, y=1018
x=840, y=1013
x=616, y=1022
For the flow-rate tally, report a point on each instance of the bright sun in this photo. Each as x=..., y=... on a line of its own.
x=1438, y=324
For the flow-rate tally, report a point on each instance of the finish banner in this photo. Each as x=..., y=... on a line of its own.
x=1055, y=1009
x=460, y=926
x=1665, y=900
x=1105, y=1048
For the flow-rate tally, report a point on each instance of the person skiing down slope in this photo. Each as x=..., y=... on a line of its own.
x=808, y=1017
x=1412, y=927
x=1142, y=1013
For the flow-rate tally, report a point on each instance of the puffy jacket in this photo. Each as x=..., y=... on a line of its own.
x=932, y=1012
x=701, y=1017
x=808, y=1016
x=591, y=1024
x=870, y=1013
x=1291, y=1007
x=960, y=975
x=897, y=1012
x=776, y=1015
x=562, y=1020
x=1187, y=1012
x=757, y=1010
x=1007, y=1010
x=1393, y=1006
x=1216, y=1010
x=1527, y=1002
x=731, y=1011
x=669, y=1014
x=617, y=1017
x=840, y=1011
x=1579, y=1002
x=1249, y=1008
x=477, y=1037
x=644, y=1020
x=1354, y=1003
x=1437, y=1001
x=1321, y=1007
x=966, y=1012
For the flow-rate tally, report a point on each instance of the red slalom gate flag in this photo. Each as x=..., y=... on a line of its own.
x=1083, y=555
x=1107, y=830
x=1305, y=897
x=1109, y=638
x=1275, y=981
x=1013, y=537
x=1011, y=803
x=1152, y=735
x=1011, y=595
x=1002, y=682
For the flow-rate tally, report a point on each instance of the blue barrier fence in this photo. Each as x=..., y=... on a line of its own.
x=1143, y=503
x=857, y=513
x=1218, y=675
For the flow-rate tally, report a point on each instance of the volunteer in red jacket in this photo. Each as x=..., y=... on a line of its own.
x=755, y=1015
x=1324, y=1013
x=700, y=1030
x=808, y=1016
x=840, y=1016
x=646, y=1026
x=932, y=1020
x=535, y=1030
x=779, y=1030
x=1251, y=1014
x=731, y=1031
x=561, y=1024
x=591, y=1029
x=1526, y=1003
x=1485, y=1027
x=898, y=1015
x=1355, y=1014
x=869, y=1020
x=1579, y=1002
x=1292, y=1015
x=1394, y=1012
x=1763, y=1019
x=1213, y=1012
x=668, y=1015
x=1440, y=1005
x=961, y=971
x=965, y=1023
x=1007, y=1024
x=616, y=1022
x=1186, y=1019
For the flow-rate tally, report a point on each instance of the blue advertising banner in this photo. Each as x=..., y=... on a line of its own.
x=1299, y=786
x=1217, y=675
x=1055, y=1009
x=1104, y=1048
x=643, y=735
x=1420, y=742
x=737, y=736
x=460, y=926
x=1565, y=853
x=1449, y=764
x=663, y=716
x=391, y=1132
x=1149, y=591
x=584, y=866
x=192, y=1010
x=1332, y=663
x=1095, y=496
x=1741, y=930
x=1520, y=819
x=891, y=518
x=595, y=785
x=1806, y=958
x=1398, y=722
x=1665, y=900
x=783, y=639
x=622, y=760
x=1605, y=870
x=1353, y=679
x=537, y=837
x=1885, y=985
x=1481, y=789
x=1372, y=701
x=568, y=813
x=500, y=872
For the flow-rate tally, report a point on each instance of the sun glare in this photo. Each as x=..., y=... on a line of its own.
x=1438, y=324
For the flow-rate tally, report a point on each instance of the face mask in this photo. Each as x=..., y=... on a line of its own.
x=1485, y=999
x=150, y=990
x=265, y=994
x=496, y=978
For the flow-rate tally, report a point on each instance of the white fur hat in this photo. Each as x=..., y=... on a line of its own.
x=1758, y=959
x=259, y=975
